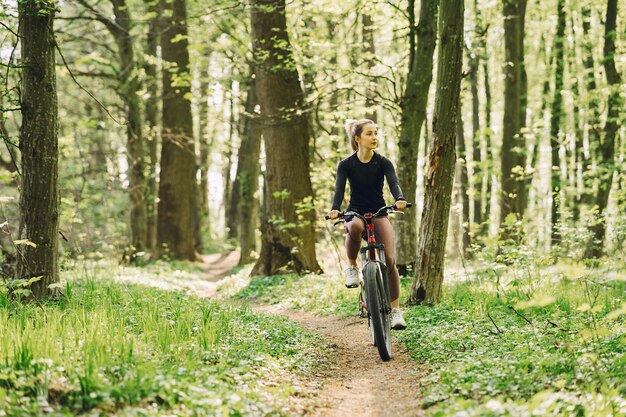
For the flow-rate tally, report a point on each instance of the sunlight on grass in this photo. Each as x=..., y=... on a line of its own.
x=134, y=350
x=532, y=338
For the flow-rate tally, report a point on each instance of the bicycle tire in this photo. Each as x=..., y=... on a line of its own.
x=379, y=319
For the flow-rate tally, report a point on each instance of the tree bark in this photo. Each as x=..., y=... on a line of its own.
x=232, y=191
x=369, y=52
x=593, y=124
x=489, y=164
x=39, y=197
x=130, y=86
x=152, y=125
x=247, y=180
x=175, y=220
x=555, y=122
x=205, y=143
x=512, y=180
x=427, y=285
x=414, y=103
x=477, y=174
x=289, y=239
x=595, y=246
x=463, y=179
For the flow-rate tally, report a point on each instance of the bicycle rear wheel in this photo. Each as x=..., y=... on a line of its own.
x=377, y=308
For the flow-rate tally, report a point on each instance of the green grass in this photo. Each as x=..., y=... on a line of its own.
x=548, y=340
x=131, y=350
x=324, y=294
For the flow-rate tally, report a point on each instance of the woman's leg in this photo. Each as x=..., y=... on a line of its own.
x=354, y=231
x=384, y=235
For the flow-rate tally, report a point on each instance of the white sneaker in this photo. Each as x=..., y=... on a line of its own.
x=397, y=321
x=352, y=276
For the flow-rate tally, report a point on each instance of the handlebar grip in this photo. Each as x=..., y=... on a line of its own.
x=326, y=217
x=409, y=204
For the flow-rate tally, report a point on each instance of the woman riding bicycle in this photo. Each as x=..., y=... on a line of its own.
x=366, y=171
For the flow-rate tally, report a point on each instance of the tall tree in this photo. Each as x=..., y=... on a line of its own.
x=369, y=51
x=39, y=198
x=247, y=180
x=152, y=121
x=175, y=219
x=426, y=287
x=512, y=184
x=593, y=123
x=413, y=104
x=555, y=121
x=120, y=28
x=474, y=64
x=289, y=237
x=463, y=181
x=488, y=163
x=595, y=247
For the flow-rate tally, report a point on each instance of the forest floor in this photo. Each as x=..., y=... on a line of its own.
x=358, y=382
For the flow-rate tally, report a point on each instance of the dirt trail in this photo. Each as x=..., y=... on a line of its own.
x=358, y=382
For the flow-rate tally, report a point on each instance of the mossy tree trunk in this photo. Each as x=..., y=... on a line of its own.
x=427, y=285
x=39, y=197
x=176, y=218
x=414, y=103
x=288, y=242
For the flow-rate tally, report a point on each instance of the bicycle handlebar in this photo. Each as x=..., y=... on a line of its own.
x=381, y=211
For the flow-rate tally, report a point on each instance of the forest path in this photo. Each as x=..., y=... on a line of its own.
x=358, y=382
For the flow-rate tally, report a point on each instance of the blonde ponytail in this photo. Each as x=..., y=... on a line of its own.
x=354, y=128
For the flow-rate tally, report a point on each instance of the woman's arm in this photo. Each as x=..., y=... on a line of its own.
x=340, y=185
x=392, y=179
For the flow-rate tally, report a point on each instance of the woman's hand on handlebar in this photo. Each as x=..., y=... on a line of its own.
x=400, y=204
x=333, y=214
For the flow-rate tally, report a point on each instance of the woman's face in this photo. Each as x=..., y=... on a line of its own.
x=369, y=137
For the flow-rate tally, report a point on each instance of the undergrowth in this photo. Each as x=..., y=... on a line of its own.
x=107, y=348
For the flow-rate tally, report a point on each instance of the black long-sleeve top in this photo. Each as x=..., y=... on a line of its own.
x=366, y=183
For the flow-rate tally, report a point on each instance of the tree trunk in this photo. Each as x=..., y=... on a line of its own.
x=593, y=123
x=489, y=154
x=463, y=184
x=426, y=287
x=175, y=220
x=414, y=103
x=232, y=212
x=512, y=182
x=595, y=247
x=555, y=122
x=130, y=86
x=248, y=177
x=39, y=197
x=205, y=143
x=289, y=239
x=477, y=174
x=369, y=53
x=152, y=125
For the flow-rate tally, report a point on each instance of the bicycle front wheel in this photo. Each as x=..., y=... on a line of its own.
x=377, y=308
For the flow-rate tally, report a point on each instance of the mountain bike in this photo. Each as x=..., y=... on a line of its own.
x=374, y=297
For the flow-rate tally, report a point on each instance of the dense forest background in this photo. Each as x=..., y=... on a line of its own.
x=150, y=146
x=540, y=134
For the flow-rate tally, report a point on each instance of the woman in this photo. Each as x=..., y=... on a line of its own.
x=366, y=171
